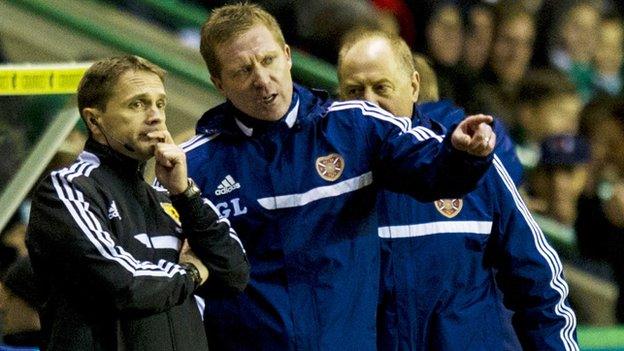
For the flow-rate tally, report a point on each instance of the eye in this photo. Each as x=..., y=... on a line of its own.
x=161, y=104
x=138, y=104
x=382, y=88
x=244, y=70
x=268, y=60
x=353, y=92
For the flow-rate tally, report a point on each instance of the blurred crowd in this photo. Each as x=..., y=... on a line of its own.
x=551, y=71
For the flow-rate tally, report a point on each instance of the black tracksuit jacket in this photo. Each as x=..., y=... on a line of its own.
x=104, y=246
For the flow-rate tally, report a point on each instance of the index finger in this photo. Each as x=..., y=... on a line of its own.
x=168, y=137
x=475, y=120
x=163, y=136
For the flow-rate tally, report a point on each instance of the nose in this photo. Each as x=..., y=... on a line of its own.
x=261, y=77
x=369, y=95
x=155, y=116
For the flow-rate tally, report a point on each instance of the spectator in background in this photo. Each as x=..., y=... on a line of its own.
x=19, y=302
x=509, y=60
x=609, y=56
x=560, y=176
x=428, y=80
x=403, y=16
x=321, y=24
x=444, y=38
x=548, y=104
x=600, y=223
x=478, y=38
x=602, y=132
x=429, y=102
x=573, y=44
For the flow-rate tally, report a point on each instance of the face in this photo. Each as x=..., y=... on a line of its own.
x=579, y=32
x=445, y=35
x=607, y=143
x=564, y=190
x=512, y=49
x=559, y=115
x=255, y=74
x=371, y=71
x=135, y=108
x=477, y=43
x=610, y=48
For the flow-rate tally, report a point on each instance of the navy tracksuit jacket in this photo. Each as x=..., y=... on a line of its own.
x=443, y=263
x=301, y=193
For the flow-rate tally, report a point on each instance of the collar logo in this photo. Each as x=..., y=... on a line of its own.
x=449, y=207
x=330, y=167
x=171, y=211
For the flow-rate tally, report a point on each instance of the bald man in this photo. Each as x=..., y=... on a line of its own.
x=442, y=261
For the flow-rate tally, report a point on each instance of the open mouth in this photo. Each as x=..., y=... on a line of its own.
x=267, y=100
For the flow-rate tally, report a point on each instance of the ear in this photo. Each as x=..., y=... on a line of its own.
x=218, y=83
x=288, y=55
x=415, y=85
x=92, y=119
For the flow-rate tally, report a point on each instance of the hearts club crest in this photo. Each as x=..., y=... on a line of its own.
x=330, y=167
x=449, y=207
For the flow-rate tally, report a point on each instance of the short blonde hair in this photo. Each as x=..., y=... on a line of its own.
x=227, y=22
x=398, y=45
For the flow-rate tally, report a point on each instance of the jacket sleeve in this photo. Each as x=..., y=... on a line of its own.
x=69, y=239
x=417, y=161
x=529, y=272
x=506, y=150
x=215, y=242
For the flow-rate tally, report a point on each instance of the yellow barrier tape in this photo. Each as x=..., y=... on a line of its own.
x=41, y=79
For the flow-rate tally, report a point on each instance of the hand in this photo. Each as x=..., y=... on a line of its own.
x=474, y=135
x=188, y=256
x=170, y=163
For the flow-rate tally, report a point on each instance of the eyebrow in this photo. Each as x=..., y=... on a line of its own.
x=144, y=96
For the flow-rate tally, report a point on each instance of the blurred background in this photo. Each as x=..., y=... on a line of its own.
x=552, y=71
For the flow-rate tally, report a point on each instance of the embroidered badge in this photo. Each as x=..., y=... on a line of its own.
x=449, y=207
x=171, y=211
x=330, y=167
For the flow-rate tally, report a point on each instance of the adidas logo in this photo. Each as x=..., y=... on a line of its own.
x=227, y=185
x=112, y=211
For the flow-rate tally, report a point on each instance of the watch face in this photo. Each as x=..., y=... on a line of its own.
x=192, y=190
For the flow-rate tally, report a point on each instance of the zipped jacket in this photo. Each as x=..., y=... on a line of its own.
x=104, y=247
x=301, y=192
x=451, y=266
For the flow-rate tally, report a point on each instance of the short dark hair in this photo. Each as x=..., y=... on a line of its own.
x=95, y=87
x=543, y=84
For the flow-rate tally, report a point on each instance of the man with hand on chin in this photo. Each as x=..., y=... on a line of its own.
x=108, y=250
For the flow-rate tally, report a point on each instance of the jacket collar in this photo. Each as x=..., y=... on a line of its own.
x=425, y=114
x=115, y=160
x=228, y=120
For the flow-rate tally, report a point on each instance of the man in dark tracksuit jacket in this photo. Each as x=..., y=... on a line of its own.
x=107, y=248
x=443, y=262
x=298, y=175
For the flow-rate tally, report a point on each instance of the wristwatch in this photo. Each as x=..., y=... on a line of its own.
x=191, y=191
x=193, y=272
